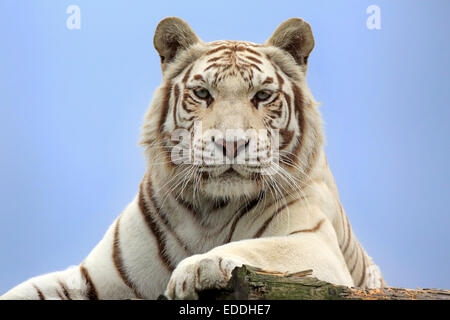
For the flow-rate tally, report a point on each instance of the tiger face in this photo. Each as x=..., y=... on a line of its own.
x=235, y=118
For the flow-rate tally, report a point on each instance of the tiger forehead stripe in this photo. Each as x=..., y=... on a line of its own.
x=214, y=59
x=187, y=74
x=199, y=77
x=216, y=50
x=213, y=65
x=279, y=79
x=254, y=59
x=268, y=80
x=234, y=47
x=256, y=53
x=255, y=66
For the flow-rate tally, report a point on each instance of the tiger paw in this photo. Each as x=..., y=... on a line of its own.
x=200, y=272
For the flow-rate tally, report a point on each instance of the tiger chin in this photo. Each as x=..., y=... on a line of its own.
x=198, y=213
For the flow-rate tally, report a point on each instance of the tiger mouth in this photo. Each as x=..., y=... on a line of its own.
x=231, y=174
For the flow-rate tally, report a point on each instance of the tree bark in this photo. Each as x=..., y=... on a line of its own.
x=249, y=283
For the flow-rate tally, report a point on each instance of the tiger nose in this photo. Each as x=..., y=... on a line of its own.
x=231, y=148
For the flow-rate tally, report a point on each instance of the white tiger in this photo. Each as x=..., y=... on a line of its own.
x=192, y=222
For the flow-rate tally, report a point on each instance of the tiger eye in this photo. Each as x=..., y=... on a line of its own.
x=262, y=95
x=202, y=93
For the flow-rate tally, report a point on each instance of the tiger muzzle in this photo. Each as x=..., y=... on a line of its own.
x=231, y=148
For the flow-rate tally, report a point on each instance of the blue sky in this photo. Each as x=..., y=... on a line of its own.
x=72, y=103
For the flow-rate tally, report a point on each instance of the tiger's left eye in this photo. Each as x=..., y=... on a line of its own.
x=202, y=93
x=262, y=95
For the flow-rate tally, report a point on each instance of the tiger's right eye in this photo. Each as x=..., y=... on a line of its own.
x=262, y=95
x=202, y=93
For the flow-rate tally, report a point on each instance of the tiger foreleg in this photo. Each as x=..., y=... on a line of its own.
x=284, y=254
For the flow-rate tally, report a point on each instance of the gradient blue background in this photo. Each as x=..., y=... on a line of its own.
x=72, y=103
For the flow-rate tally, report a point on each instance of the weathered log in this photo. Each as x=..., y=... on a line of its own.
x=249, y=283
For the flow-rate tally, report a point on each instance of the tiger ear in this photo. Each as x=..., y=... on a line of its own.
x=172, y=35
x=294, y=36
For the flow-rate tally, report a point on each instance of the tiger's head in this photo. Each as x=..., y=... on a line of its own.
x=233, y=119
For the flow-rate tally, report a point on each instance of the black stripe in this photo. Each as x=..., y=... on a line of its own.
x=91, y=290
x=222, y=47
x=59, y=295
x=187, y=75
x=176, y=93
x=269, y=220
x=217, y=205
x=118, y=261
x=343, y=227
x=298, y=109
x=165, y=106
x=163, y=216
x=352, y=269
x=220, y=204
x=247, y=208
x=349, y=235
x=189, y=207
x=39, y=292
x=314, y=229
x=64, y=290
x=159, y=236
x=253, y=51
x=254, y=60
x=287, y=141
x=363, y=275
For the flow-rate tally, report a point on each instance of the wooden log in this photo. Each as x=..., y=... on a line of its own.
x=249, y=283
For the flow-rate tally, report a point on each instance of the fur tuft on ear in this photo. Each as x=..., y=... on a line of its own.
x=294, y=36
x=172, y=35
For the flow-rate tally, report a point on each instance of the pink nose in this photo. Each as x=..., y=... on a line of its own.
x=232, y=148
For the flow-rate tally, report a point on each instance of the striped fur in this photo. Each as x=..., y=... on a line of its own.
x=191, y=224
